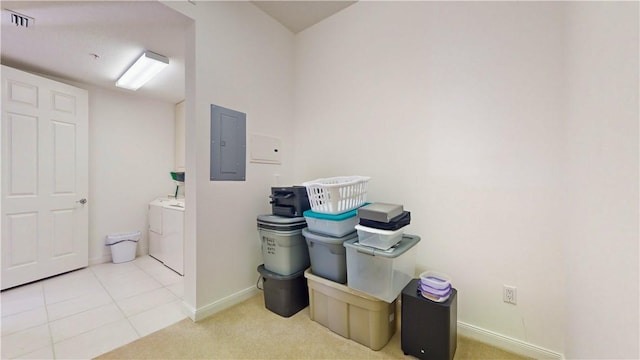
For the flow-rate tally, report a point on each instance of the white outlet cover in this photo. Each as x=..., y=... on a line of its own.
x=510, y=294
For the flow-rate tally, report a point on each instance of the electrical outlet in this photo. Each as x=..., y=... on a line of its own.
x=509, y=294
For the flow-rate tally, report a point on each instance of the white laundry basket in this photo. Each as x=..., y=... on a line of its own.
x=337, y=195
x=123, y=246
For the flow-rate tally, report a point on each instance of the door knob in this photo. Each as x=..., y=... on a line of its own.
x=82, y=201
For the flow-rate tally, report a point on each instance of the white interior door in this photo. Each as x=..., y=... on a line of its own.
x=44, y=178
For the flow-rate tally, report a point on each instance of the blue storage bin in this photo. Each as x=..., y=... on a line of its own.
x=337, y=225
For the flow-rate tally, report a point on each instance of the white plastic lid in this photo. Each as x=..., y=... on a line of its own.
x=407, y=242
x=379, y=231
x=115, y=238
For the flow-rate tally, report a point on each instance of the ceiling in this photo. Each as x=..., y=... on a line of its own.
x=299, y=15
x=95, y=41
x=67, y=33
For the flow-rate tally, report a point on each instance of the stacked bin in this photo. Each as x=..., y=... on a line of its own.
x=351, y=313
x=381, y=261
x=284, y=252
x=382, y=225
x=331, y=223
x=325, y=236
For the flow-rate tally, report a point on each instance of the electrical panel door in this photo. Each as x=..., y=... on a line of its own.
x=228, y=144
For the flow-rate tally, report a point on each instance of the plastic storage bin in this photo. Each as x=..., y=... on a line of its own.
x=284, y=295
x=381, y=273
x=337, y=195
x=435, y=286
x=377, y=238
x=328, y=255
x=436, y=280
x=333, y=225
x=284, y=249
x=123, y=246
x=351, y=313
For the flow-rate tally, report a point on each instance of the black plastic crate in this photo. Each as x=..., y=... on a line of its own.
x=290, y=201
x=396, y=223
x=284, y=295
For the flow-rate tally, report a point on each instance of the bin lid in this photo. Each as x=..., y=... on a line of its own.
x=275, y=222
x=271, y=275
x=115, y=238
x=311, y=236
x=280, y=220
x=299, y=188
x=333, y=217
x=336, y=217
x=407, y=242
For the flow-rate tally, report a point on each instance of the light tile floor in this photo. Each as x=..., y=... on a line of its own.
x=91, y=311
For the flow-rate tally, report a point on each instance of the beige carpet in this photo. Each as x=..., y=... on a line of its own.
x=250, y=331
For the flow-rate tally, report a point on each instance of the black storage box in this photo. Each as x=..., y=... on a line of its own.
x=289, y=201
x=284, y=295
x=394, y=224
x=381, y=212
x=428, y=328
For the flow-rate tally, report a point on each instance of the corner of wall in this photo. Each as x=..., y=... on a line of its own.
x=210, y=309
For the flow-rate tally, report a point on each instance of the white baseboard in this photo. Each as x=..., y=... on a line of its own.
x=506, y=343
x=464, y=329
x=100, y=260
x=105, y=258
x=219, y=305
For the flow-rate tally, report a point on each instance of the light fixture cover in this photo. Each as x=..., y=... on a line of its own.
x=147, y=66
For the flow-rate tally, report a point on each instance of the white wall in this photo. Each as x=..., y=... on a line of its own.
x=601, y=251
x=457, y=110
x=131, y=154
x=242, y=59
x=454, y=110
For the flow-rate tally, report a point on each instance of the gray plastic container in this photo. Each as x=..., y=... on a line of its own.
x=328, y=255
x=284, y=295
x=284, y=249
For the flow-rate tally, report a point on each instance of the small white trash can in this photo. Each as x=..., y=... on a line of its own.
x=123, y=246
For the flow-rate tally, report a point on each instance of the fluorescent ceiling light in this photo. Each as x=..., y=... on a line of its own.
x=147, y=66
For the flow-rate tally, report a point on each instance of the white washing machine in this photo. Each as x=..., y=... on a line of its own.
x=166, y=232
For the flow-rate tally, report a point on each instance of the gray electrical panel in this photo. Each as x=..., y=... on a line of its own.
x=228, y=144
